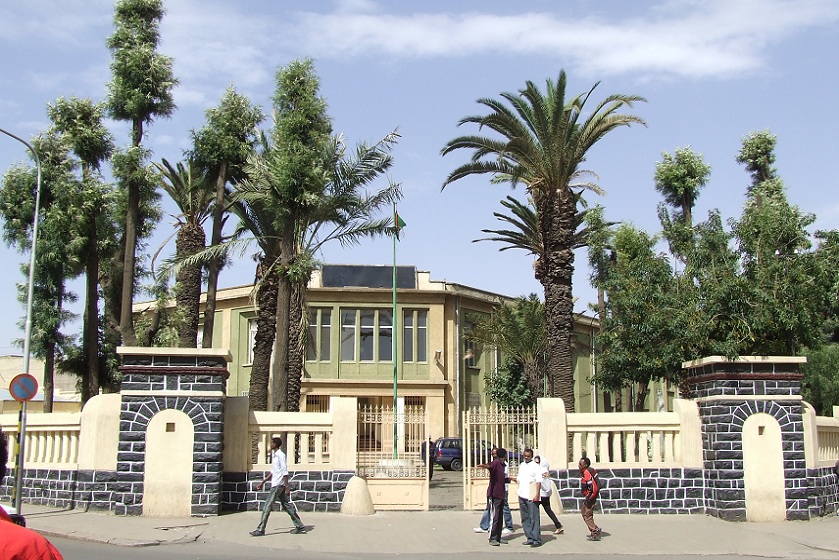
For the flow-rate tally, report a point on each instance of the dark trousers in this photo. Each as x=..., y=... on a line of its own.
x=278, y=493
x=545, y=502
x=530, y=519
x=497, y=519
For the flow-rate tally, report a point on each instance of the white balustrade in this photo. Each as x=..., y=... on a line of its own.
x=626, y=439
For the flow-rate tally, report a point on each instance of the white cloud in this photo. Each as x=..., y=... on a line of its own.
x=679, y=37
x=66, y=22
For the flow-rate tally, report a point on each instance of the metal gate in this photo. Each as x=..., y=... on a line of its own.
x=390, y=455
x=514, y=429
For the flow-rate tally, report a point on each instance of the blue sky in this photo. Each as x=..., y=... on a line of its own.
x=711, y=70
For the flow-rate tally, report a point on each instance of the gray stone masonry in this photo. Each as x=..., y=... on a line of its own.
x=310, y=490
x=647, y=490
x=150, y=376
x=723, y=417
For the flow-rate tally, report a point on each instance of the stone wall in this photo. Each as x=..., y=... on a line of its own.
x=104, y=491
x=722, y=437
x=647, y=490
x=824, y=491
x=310, y=490
x=206, y=413
x=69, y=489
x=727, y=394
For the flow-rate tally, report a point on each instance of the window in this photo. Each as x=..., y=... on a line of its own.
x=251, y=339
x=415, y=335
x=471, y=349
x=385, y=335
x=348, y=334
x=317, y=403
x=366, y=335
x=319, y=336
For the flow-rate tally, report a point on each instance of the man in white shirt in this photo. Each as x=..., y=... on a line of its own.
x=530, y=483
x=279, y=489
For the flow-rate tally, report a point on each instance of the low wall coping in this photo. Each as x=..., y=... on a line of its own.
x=744, y=360
x=156, y=351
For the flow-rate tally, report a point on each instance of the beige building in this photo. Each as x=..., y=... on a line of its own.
x=350, y=342
x=65, y=396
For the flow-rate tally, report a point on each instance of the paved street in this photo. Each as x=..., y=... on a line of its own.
x=426, y=534
x=446, y=489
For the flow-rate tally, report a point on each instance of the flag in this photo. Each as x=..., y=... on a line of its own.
x=398, y=223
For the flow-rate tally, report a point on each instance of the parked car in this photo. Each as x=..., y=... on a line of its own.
x=450, y=453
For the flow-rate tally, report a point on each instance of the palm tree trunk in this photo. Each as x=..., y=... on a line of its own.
x=279, y=379
x=641, y=396
x=49, y=373
x=214, y=267
x=296, y=346
x=533, y=379
x=554, y=271
x=91, y=317
x=132, y=225
x=190, y=240
x=265, y=332
x=279, y=385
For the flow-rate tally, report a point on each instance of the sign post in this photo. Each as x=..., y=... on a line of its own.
x=23, y=388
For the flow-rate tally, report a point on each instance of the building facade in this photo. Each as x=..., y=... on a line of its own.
x=350, y=342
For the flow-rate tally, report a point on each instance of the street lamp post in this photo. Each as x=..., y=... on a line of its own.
x=27, y=336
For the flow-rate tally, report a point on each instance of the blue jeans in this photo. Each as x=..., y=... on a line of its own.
x=486, y=518
x=530, y=519
x=285, y=504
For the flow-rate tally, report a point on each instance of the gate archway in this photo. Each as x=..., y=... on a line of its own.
x=167, y=482
x=763, y=469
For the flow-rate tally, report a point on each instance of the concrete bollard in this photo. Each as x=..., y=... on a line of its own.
x=357, y=500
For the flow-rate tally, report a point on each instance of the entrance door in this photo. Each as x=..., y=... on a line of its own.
x=763, y=469
x=167, y=483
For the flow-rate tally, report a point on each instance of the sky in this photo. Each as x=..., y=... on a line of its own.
x=711, y=71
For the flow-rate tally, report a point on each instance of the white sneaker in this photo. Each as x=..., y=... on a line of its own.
x=479, y=530
x=506, y=531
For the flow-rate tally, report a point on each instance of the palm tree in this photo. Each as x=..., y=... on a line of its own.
x=526, y=234
x=193, y=195
x=221, y=147
x=543, y=140
x=342, y=212
x=257, y=218
x=518, y=330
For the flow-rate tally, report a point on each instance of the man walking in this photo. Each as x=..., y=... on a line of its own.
x=530, y=484
x=590, y=488
x=497, y=494
x=279, y=489
x=486, y=517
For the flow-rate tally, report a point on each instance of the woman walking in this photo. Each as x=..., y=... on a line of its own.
x=545, y=494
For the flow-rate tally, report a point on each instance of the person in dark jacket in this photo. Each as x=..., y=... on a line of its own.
x=497, y=493
x=428, y=452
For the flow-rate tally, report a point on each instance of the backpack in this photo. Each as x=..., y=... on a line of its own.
x=597, y=481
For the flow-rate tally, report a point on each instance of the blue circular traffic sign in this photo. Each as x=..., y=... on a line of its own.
x=23, y=387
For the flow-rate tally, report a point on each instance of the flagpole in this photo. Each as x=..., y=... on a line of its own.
x=395, y=331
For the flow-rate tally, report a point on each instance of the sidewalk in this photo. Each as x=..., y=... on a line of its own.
x=449, y=531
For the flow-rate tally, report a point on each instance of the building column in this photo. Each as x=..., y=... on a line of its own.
x=730, y=394
x=191, y=381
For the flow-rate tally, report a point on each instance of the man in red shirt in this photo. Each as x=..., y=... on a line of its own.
x=590, y=488
x=16, y=542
